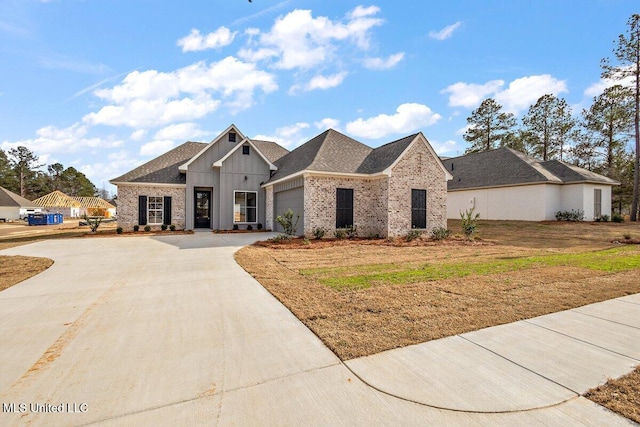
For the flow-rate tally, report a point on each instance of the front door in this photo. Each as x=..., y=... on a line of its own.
x=202, y=209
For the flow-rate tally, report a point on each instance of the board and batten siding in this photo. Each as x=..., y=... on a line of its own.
x=290, y=199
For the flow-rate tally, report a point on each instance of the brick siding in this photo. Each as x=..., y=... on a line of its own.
x=128, y=204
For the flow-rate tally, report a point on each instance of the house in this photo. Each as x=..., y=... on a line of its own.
x=95, y=206
x=504, y=184
x=14, y=207
x=330, y=182
x=58, y=202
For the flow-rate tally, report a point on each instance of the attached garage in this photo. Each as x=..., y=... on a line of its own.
x=290, y=199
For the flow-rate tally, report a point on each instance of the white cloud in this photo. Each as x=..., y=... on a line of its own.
x=217, y=39
x=598, y=87
x=446, y=32
x=152, y=98
x=155, y=148
x=138, y=135
x=408, y=117
x=298, y=40
x=443, y=147
x=180, y=132
x=519, y=95
x=51, y=140
x=525, y=91
x=383, y=64
x=327, y=123
x=326, y=82
x=116, y=164
x=469, y=95
x=288, y=136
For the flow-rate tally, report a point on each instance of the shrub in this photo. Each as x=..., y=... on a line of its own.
x=286, y=221
x=119, y=230
x=351, y=231
x=249, y=227
x=617, y=218
x=469, y=222
x=163, y=227
x=318, y=233
x=172, y=227
x=136, y=227
x=235, y=226
x=147, y=228
x=604, y=218
x=440, y=233
x=93, y=223
x=627, y=236
x=306, y=241
x=413, y=234
x=340, y=233
x=572, y=215
x=259, y=226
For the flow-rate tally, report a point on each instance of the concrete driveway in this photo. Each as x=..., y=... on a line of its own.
x=171, y=331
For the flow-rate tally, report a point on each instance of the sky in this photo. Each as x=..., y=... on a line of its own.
x=106, y=85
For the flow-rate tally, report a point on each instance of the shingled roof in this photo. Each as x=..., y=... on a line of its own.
x=164, y=168
x=270, y=149
x=11, y=199
x=507, y=167
x=331, y=151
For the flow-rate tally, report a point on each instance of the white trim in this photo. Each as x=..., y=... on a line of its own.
x=155, y=210
x=309, y=172
x=245, y=207
x=523, y=184
x=218, y=163
x=148, y=184
x=424, y=140
x=184, y=167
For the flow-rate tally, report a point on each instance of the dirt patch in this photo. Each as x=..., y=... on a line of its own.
x=15, y=269
x=392, y=313
x=621, y=395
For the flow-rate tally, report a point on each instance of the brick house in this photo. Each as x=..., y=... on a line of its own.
x=331, y=181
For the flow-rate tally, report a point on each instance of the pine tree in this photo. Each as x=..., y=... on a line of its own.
x=488, y=127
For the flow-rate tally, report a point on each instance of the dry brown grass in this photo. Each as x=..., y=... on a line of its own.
x=621, y=395
x=360, y=322
x=15, y=269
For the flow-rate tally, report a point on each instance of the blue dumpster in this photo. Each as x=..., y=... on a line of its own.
x=45, y=219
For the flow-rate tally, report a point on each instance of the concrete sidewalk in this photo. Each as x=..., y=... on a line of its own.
x=171, y=331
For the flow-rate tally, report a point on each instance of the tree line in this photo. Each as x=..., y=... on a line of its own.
x=22, y=173
x=596, y=140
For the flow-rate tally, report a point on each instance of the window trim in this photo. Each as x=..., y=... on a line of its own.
x=246, y=148
x=245, y=206
x=233, y=137
x=155, y=210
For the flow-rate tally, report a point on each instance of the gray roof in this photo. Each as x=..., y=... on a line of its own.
x=505, y=167
x=164, y=168
x=270, y=149
x=332, y=151
x=13, y=200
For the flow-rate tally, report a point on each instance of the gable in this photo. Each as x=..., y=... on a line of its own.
x=238, y=162
x=215, y=150
x=419, y=145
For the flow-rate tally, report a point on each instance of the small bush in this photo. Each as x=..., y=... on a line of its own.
x=93, y=223
x=572, y=215
x=172, y=227
x=136, y=227
x=469, y=222
x=286, y=221
x=617, y=218
x=147, y=228
x=340, y=233
x=235, y=226
x=352, y=232
x=627, y=236
x=163, y=227
x=306, y=241
x=249, y=227
x=318, y=233
x=413, y=234
x=259, y=226
x=604, y=218
x=119, y=230
x=440, y=233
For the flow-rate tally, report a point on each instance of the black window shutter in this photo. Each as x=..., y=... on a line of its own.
x=167, y=210
x=142, y=210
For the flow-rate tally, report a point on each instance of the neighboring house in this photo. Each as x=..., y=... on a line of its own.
x=330, y=182
x=14, y=207
x=58, y=202
x=504, y=184
x=95, y=206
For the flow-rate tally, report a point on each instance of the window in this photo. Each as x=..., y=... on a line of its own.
x=418, y=208
x=344, y=207
x=232, y=137
x=245, y=149
x=155, y=208
x=245, y=206
x=597, y=203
